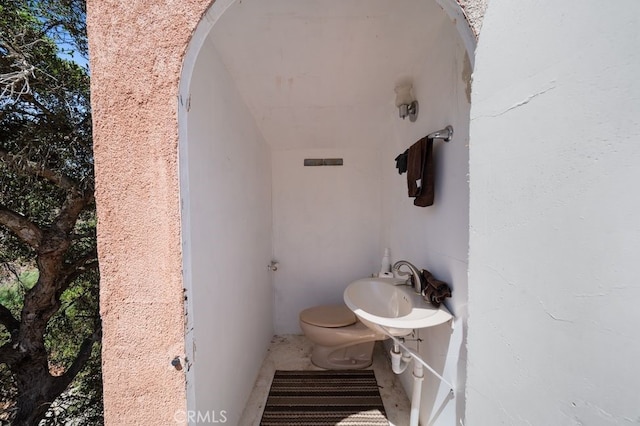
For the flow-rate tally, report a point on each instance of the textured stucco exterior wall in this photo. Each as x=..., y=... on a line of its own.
x=475, y=10
x=136, y=50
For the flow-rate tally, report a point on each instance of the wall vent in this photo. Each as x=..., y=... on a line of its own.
x=323, y=162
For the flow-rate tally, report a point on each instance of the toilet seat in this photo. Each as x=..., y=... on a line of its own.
x=340, y=341
x=331, y=316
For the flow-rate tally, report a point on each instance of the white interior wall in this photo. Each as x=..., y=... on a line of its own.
x=555, y=229
x=326, y=227
x=436, y=237
x=228, y=204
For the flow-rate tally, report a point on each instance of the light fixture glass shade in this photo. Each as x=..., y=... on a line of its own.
x=403, y=94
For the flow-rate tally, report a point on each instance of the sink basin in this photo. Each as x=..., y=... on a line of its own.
x=385, y=305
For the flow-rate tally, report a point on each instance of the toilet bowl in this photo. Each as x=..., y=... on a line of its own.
x=340, y=340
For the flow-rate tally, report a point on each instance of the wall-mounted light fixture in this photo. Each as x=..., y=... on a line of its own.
x=406, y=103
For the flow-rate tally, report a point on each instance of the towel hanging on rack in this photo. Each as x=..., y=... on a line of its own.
x=401, y=162
x=421, y=172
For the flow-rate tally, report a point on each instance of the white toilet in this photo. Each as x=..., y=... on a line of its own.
x=340, y=341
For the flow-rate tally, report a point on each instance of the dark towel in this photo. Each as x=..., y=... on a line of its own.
x=435, y=291
x=401, y=162
x=421, y=173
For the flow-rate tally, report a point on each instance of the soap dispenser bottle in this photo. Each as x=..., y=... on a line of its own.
x=385, y=265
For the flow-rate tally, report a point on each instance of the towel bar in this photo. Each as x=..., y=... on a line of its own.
x=445, y=134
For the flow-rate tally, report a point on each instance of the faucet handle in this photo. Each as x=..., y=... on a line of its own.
x=415, y=280
x=406, y=274
x=403, y=273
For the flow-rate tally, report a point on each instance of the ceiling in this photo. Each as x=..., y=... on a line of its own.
x=315, y=72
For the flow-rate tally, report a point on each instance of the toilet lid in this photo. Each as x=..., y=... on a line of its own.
x=330, y=316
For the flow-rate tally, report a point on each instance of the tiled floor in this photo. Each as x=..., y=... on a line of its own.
x=293, y=353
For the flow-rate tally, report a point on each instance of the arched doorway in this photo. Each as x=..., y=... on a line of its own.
x=267, y=84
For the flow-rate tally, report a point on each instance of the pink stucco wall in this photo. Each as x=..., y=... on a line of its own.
x=136, y=53
x=136, y=49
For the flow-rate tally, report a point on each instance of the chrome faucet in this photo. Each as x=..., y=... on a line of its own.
x=415, y=276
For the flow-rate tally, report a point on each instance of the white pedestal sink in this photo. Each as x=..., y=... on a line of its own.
x=386, y=305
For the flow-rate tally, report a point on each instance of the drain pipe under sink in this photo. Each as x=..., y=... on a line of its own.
x=399, y=363
x=416, y=394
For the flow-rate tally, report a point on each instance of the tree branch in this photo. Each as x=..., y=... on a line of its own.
x=83, y=355
x=44, y=297
x=8, y=320
x=73, y=205
x=90, y=256
x=22, y=164
x=46, y=111
x=23, y=228
x=15, y=83
x=8, y=355
x=76, y=272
